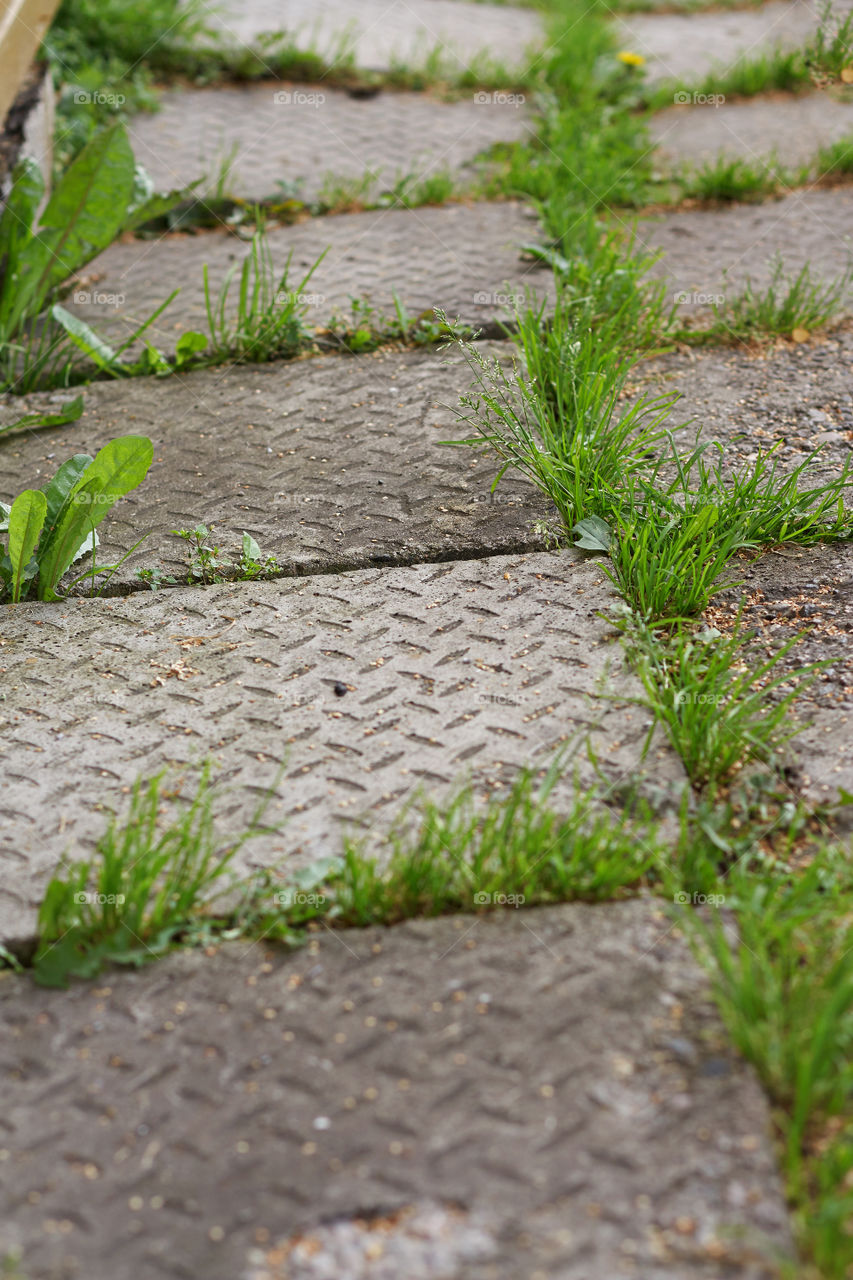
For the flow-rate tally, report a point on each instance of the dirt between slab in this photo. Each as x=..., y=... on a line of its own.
x=555, y=1080
x=796, y=396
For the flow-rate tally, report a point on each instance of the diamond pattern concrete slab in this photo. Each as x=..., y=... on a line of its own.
x=481, y=666
x=688, y=46
x=556, y=1078
x=463, y=258
x=378, y=32
x=301, y=133
x=330, y=463
x=794, y=128
x=711, y=253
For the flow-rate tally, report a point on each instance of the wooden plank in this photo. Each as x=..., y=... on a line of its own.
x=23, y=24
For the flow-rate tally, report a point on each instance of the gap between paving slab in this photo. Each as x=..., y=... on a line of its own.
x=479, y=668
x=330, y=463
x=559, y=1079
x=464, y=259
x=794, y=128
x=303, y=133
x=382, y=32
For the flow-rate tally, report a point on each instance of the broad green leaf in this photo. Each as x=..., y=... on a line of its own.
x=190, y=344
x=119, y=467
x=70, y=413
x=23, y=200
x=26, y=520
x=87, y=546
x=251, y=550
x=16, y=230
x=152, y=360
x=68, y=958
x=594, y=534
x=57, y=490
x=86, y=339
x=83, y=216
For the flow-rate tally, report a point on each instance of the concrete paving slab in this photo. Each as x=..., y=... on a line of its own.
x=791, y=129
x=302, y=133
x=548, y=1093
x=477, y=667
x=687, y=47
x=330, y=463
x=378, y=32
x=463, y=258
x=711, y=252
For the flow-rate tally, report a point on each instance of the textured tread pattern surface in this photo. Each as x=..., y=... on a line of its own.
x=560, y=1071
x=302, y=133
x=479, y=667
x=465, y=259
x=329, y=463
x=379, y=32
x=709, y=254
x=687, y=47
x=792, y=128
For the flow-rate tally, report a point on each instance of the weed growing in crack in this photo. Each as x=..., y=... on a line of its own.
x=729, y=178
x=269, y=318
x=820, y=62
x=157, y=874
x=208, y=564
x=366, y=327
x=782, y=973
x=148, y=882
x=561, y=423
x=786, y=306
x=835, y=159
x=720, y=709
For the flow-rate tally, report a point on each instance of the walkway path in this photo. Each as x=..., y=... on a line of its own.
x=542, y=1094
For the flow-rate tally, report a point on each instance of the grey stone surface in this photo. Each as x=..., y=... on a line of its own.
x=557, y=1079
x=277, y=132
x=330, y=463
x=379, y=31
x=463, y=258
x=687, y=46
x=808, y=592
x=790, y=130
x=709, y=253
x=798, y=398
x=472, y=668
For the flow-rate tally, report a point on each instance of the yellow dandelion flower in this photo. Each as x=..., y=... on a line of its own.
x=631, y=59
